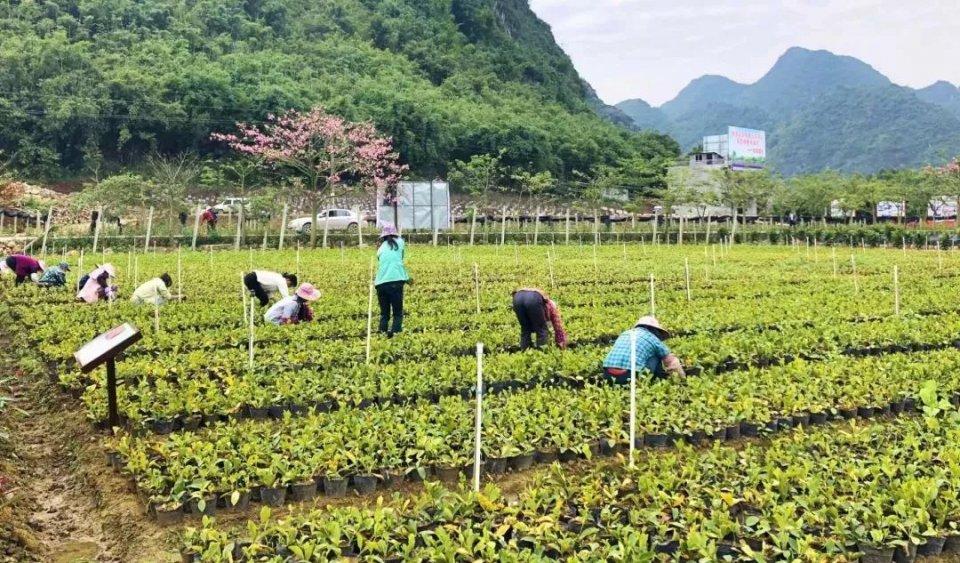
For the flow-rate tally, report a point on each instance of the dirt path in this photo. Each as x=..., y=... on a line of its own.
x=68, y=506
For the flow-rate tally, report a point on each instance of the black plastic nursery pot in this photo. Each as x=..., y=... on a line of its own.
x=209, y=508
x=952, y=544
x=655, y=440
x=243, y=501
x=785, y=423
x=818, y=418
x=932, y=548
x=749, y=429
x=496, y=465
x=258, y=413
x=771, y=427
x=276, y=411
x=884, y=410
x=896, y=407
x=848, y=413
x=607, y=447
x=905, y=554
x=163, y=426
x=802, y=419
x=865, y=412
x=334, y=486
x=547, y=456
x=389, y=479
x=168, y=516
x=304, y=491
x=732, y=432
x=909, y=404
x=566, y=456
x=520, y=462
x=273, y=496
x=192, y=423
x=876, y=555
x=365, y=484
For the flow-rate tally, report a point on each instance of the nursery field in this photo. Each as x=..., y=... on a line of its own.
x=818, y=421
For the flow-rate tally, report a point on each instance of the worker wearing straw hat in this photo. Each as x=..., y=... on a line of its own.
x=652, y=354
x=96, y=285
x=294, y=309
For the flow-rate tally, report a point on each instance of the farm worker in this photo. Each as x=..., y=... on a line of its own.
x=391, y=277
x=534, y=310
x=23, y=266
x=96, y=285
x=264, y=284
x=55, y=276
x=293, y=309
x=652, y=354
x=209, y=218
x=154, y=292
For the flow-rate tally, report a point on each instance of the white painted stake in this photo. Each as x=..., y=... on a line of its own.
x=243, y=300
x=536, y=227
x=80, y=270
x=596, y=226
x=146, y=243
x=156, y=319
x=252, y=311
x=896, y=290
x=136, y=270
x=196, y=227
x=680, y=234
x=686, y=268
x=653, y=297
x=326, y=228
x=356, y=211
x=473, y=224
x=836, y=267
x=633, y=394
x=856, y=283
x=476, y=284
x=478, y=428
x=298, y=259
x=370, y=311
x=939, y=259
x=550, y=265
x=236, y=238
x=503, y=227
x=566, y=236
x=283, y=226
x=179, y=272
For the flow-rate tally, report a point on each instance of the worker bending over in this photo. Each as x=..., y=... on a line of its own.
x=293, y=309
x=96, y=285
x=55, y=276
x=534, y=310
x=154, y=292
x=651, y=353
x=23, y=266
x=264, y=285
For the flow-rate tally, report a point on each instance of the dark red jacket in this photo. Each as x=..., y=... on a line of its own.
x=25, y=265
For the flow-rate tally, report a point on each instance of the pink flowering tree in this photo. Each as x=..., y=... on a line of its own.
x=325, y=153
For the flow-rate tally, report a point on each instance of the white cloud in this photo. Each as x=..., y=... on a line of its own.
x=651, y=49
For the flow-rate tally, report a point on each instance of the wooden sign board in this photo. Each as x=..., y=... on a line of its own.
x=106, y=346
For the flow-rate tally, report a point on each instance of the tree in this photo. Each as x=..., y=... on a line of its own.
x=172, y=175
x=947, y=180
x=325, y=151
x=479, y=176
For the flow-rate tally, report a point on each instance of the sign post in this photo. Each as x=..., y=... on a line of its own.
x=106, y=349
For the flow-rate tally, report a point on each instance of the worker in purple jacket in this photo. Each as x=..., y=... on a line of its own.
x=23, y=266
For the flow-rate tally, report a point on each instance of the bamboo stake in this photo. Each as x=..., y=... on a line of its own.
x=653, y=297
x=856, y=283
x=835, y=265
x=896, y=290
x=476, y=284
x=686, y=268
x=156, y=318
x=46, y=232
x=298, y=259
x=566, y=236
x=370, y=310
x=283, y=226
x=236, y=238
x=680, y=234
x=179, y=272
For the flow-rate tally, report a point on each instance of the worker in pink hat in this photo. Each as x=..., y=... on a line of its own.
x=652, y=354
x=294, y=309
x=391, y=277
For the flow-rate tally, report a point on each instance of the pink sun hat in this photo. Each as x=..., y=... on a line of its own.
x=308, y=292
x=389, y=230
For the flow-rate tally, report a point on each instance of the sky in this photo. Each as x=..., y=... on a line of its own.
x=651, y=49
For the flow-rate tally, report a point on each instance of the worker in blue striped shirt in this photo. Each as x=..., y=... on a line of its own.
x=652, y=354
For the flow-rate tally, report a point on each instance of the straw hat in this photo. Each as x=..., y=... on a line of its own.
x=653, y=324
x=308, y=292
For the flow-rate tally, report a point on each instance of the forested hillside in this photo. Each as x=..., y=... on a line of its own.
x=90, y=83
x=820, y=110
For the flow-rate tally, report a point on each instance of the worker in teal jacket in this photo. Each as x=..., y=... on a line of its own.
x=391, y=277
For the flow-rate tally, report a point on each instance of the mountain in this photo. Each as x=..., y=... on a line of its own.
x=86, y=82
x=820, y=110
x=942, y=94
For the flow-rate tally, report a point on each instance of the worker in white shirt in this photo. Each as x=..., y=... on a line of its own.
x=294, y=309
x=265, y=284
x=154, y=292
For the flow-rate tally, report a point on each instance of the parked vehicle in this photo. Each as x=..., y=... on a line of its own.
x=233, y=205
x=335, y=219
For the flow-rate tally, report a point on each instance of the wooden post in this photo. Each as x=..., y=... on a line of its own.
x=478, y=425
x=196, y=227
x=633, y=394
x=326, y=227
x=653, y=297
x=566, y=236
x=370, y=309
x=146, y=243
x=686, y=268
x=283, y=226
x=896, y=290
x=46, y=232
x=96, y=227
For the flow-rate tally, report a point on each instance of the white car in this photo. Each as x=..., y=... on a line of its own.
x=232, y=204
x=335, y=219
